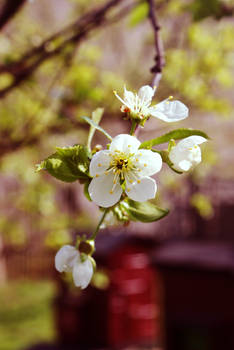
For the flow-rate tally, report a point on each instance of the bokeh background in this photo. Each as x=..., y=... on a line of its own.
x=167, y=285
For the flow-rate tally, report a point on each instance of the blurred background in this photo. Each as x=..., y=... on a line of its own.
x=167, y=285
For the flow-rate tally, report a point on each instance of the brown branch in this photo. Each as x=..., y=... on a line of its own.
x=72, y=34
x=159, y=58
x=8, y=10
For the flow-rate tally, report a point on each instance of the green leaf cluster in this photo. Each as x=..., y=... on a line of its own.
x=68, y=164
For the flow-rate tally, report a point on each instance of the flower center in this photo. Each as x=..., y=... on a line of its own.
x=121, y=163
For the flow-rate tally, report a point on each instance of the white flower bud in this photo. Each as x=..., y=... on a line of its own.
x=186, y=154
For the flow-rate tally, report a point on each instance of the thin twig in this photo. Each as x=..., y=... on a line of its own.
x=159, y=58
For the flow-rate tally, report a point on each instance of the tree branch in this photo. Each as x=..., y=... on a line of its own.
x=72, y=34
x=159, y=58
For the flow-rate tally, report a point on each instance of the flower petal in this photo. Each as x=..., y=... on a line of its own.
x=191, y=141
x=146, y=94
x=184, y=165
x=129, y=98
x=169, y=111
x=65, y=258
x=99, y=163
x=124, y=143
x=82, y=273
x=141, y=190
x=147, y=162
x=103, y=191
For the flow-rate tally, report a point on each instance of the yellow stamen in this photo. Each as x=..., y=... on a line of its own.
x=138, y=181
x=99, y=164
x=130, y=181
x=111, y=192
x=106, y=172
x=97, y=175
x=129, y=145
x=145, y=164
x=137, y=160
x=128, y=189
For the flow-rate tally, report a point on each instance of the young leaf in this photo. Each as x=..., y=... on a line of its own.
x=86, y=191
x=68, y=164
x=176, y=134
x=96, y=117
x=144, y=212
x=93, y=124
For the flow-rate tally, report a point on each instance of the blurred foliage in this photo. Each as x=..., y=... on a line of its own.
x=202, y=204
x=45, y=111
x=138, y=14
x=26, y=314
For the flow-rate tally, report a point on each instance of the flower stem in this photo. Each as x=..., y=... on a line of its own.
x=94, y=235
x=133, y=127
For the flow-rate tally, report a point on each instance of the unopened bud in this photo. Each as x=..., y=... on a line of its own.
x=87, y=247
x=97, y=148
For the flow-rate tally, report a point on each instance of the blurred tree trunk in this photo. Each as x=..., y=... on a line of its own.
x=8, y=9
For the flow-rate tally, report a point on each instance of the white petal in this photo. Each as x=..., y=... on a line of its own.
x=185, y=165
x=191, y=141
x=99, y=163
x=129, y=98
x=142, y=191
x=100, y=190
x=147, y=162
x=82, y=273
x=124, y=143
x=169, y=111
x=65, y=258
x=146, y=94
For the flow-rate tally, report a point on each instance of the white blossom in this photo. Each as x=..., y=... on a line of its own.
x=123, y=167
x=139, y=105
x=186, y=154
x=68, y=259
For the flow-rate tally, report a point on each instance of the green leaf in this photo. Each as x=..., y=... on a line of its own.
x=138, y=14
x=95, y=126
x=68, y=164
x=144, y=212
x=96, y=118
x=176, y=134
